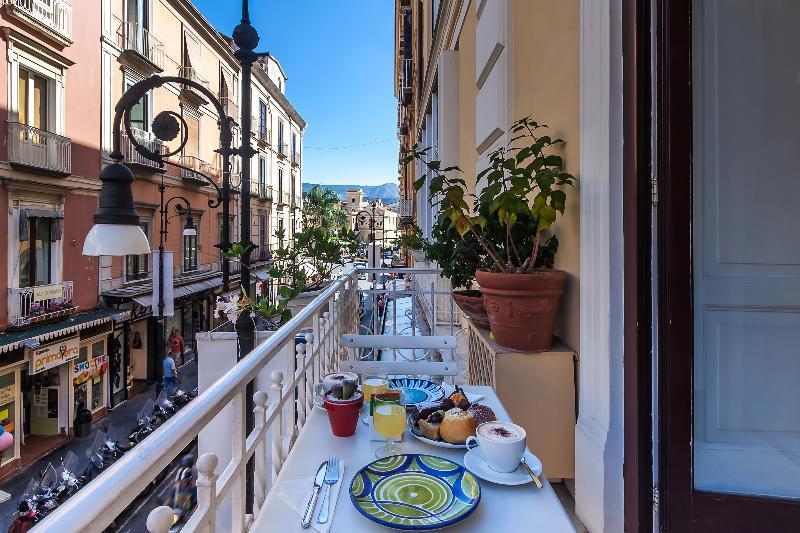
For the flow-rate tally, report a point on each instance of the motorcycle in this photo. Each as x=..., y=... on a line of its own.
x=113, y=449
x=164, y=406
x=47, y=496
x=146, y=423
x=97, y=459
x=27, y=514
x=68, y=481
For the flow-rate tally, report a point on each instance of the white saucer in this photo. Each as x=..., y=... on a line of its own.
x=318, y=402
x=475, y=464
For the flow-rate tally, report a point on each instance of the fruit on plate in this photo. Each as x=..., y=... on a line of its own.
x=459, y=397
x=457, y=425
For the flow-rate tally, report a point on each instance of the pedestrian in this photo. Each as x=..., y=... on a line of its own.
x=174, y=336
x=381, y=305
x=170, y=375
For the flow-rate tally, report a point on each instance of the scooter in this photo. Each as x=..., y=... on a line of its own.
x=27, y=514
x=113, y=449
x=68, y=481
x=47, y=496
x=146, y=423
x=97, y=459
x=164, y=407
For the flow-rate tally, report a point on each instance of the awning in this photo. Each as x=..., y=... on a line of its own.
x=146, y=300
x=262, y=274
x=11, y=340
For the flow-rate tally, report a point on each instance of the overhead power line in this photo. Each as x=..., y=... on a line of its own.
x=346, y=147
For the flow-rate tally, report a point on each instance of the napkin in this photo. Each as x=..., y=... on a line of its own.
x=296, y=493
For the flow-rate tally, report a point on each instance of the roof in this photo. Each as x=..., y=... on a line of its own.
x=184, y=286
x=11, y=340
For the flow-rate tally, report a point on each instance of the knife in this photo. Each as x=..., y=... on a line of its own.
x=319, y=479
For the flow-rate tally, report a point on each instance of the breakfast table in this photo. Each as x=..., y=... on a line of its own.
x=501, y=508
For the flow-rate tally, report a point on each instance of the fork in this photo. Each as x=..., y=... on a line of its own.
x=331, y=478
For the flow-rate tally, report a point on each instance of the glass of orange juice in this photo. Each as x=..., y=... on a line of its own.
x=390, y=421
x=373, y=385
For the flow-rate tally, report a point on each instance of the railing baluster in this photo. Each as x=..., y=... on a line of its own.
x=300, y=404
x=160, y=520
x=260, y=417
x=277, y=425
x=206, y=510
x=238, y=436
x=309, y=378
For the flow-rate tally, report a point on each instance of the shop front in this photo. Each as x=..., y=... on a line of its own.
x=90, y=378
x=11, y=408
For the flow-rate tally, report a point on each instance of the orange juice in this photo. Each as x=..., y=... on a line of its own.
x=373, y=385
x=390, y=420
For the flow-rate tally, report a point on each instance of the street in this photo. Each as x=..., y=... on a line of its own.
x=118, y=424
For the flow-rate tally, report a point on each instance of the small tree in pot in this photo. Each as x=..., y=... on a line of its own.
x=520, y=197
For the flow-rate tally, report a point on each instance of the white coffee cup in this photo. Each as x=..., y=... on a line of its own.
x=500, y=444
x=328, y=380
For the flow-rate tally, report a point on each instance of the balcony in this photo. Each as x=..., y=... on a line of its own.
x=231, y=107
x=196, y=167
x=295, y=159
x=52, y=17
x=189, y=94
x=405, y=80
x=406, y=212
x=140, y=49
x=215, y=171
x=264, y=193
x=297, y=202
x=33, y=306
x=146, y=139
x=32, y=148
x=263, y=135
x=284, y=198
x=283, y=150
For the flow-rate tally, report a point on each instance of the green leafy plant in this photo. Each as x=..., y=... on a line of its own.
x=521, y=196
x=413, y=240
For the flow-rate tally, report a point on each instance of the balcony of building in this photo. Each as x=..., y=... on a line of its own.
x=262, y=134
x=215, y=171
x=405, y=212
x=283, y=150
x=34, y=306
x=146, y=139
x=418, y=333
x=189, y=94
x=230, y=106
x=140, y=49
x=195, y=169
x=264, y=193
x=284, y=198
x=33, y=148
x=51, y=17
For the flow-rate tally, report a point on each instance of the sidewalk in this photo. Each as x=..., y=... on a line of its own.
x=119, y=422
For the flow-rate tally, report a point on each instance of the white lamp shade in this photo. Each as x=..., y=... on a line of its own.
x=190, y=232
x=115, y=239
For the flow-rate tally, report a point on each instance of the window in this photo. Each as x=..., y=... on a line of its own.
x=280, y=229
x=190, y=250
x=137, y=12
x=280, y=185
x=294, y=147
x=90, y=371
x=139, y=112
x=294, y=189
x=262, y=176
x=33, y=100
x=280, y=136
x=263, y=231
x=138, y=266
x=262, y=120
x=35, y=249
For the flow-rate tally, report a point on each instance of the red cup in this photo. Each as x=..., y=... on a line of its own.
x=343, y=414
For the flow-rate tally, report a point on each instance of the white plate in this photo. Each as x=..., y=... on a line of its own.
x=318, y=402
x=438, y=443
x=475, y=463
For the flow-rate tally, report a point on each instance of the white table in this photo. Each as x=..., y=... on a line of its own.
x=520, y=508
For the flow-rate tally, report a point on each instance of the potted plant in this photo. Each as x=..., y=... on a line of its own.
x=521, y=193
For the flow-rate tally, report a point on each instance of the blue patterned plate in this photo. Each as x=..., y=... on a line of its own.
x=415, y=492
x=416, y=391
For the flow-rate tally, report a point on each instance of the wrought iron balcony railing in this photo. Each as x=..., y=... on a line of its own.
x=230, y=106
x=146, y=139
x=53, y=15
x=30, y=306
x=34, y=148
x=132, y=36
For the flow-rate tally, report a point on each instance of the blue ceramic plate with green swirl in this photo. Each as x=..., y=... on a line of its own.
x=415, y=492
x=415, y=391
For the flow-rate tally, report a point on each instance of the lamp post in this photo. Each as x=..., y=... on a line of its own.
x=374, y=224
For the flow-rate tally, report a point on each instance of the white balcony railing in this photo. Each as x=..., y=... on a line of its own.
x=132, y=36
x=32, y=305
x=146, y=139
x=35, y=148
x=406, y=208
x=55, y=15
x=283, y=403
x=192, y=74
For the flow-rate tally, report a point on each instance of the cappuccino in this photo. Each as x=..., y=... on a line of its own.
x=498, y=431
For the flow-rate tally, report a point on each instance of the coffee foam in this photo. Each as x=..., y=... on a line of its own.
x=500, y=432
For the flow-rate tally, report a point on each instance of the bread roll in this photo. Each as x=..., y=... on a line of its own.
x=457, y=426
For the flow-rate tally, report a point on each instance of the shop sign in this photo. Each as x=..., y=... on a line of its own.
x=53, y=355
x=85, y=370
x=47, y=292
x=7, y=395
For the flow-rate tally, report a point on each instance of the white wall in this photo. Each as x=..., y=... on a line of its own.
x=599, y=433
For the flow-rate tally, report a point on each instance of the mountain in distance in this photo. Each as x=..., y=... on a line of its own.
x=389, y=193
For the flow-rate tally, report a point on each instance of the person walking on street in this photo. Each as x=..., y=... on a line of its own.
x=174, y=336
x=170, y=375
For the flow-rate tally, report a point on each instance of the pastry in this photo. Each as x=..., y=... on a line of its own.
x=481, y=413
x=458, y=397
x=457, y=425
x=429, y=430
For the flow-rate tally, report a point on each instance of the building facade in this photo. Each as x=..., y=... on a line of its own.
x=371, y=219
x=55, y=346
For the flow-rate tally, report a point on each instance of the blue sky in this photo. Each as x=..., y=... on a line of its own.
x=338, y=57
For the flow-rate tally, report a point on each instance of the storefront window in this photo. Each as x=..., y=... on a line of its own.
x=98, y=354
x=7, y=406
x=89, y=374
x=81, y=365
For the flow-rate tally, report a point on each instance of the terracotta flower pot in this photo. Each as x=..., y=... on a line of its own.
x=471, y=304
x=343, y=414
x=523, y=308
